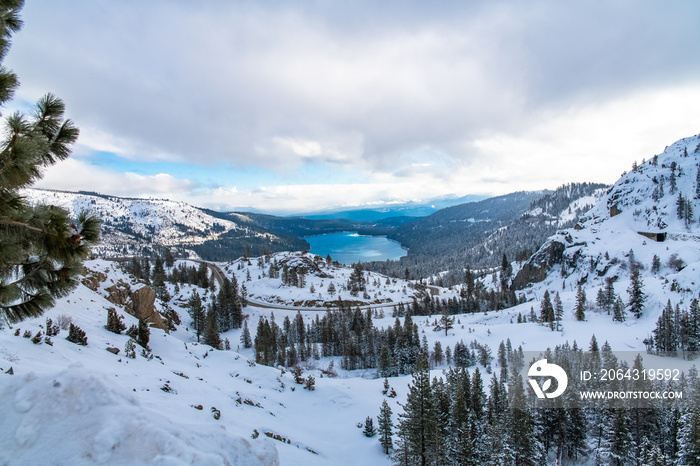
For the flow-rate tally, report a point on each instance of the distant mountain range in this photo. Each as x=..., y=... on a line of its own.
x=407, y=210
x=447, y=239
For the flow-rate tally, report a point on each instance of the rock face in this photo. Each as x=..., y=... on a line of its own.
x=119, y=293
x=140, y=303
x=535, y=270
x=93, y=278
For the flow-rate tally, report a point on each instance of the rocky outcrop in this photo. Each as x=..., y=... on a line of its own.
x=140, y=303
x=536, y=268
x=119, y=293
x=93, y=278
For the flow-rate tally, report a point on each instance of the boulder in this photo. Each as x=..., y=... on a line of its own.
x=142, y=305
x=113, y=350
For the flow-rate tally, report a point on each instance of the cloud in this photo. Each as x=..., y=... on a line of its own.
x=468, y=95
x=73, y=174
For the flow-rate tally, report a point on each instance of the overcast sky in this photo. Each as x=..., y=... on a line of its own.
x=301, y=106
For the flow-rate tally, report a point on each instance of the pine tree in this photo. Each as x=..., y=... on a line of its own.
x=655, y=264
x=619, y=443
x=521, y=425
x=115, y=323
x=76, y=335
x=693, y=328
x=41, y=248
x=619, y=310
x=369, y=430
x=446, y=321
x=143, y=334
x=158, y=280
x=547, y=310
x=558, y=310
x=211, y=330
x=246, y=341
x=385, y=425
x=636, y=293
x=417, y=421
x=580, y=307
x=195, y=308
x=130, y=349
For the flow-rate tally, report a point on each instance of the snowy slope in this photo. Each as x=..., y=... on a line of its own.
x=70, y=404
x=132, y=226
x=319, y=275
x=607, y=242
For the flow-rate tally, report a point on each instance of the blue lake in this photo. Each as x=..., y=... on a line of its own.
x=349, y=248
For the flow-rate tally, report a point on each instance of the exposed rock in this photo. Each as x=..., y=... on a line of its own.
x=139, y=303
x=93, y=278
x=142, y=306
x=113, y=350
x=119, y=293
x=535, y=270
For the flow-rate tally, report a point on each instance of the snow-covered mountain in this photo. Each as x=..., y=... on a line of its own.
x=650, y=211
x=137, y=227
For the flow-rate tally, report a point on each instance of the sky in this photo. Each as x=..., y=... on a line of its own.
x=288, y=107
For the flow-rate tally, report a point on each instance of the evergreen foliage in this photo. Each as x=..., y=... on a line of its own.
x=369, y=430
x=195, y=308
x=115, y=322
x=385, y=426
x=130, y=349
x=41, y=248
x=246, y=340
x=77, y=335
x=636, y=293
x=143, y=334
x=211, y=330
x=580, y=306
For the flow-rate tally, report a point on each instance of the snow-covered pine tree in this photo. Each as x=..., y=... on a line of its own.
x=369, y=430
x=558, y=311
x=143, y=334
x=115, y=323
x=76, y=335
x=246, y=340
x=211, y=330
x=446, y=321
x=158, y=279
x=693, y=329
x=417, y=421
x=636, y=293
x=41, y=248
x=195, y=308
x=619, y=310
x=521, y=426
x=580, y=306
x=385, y=425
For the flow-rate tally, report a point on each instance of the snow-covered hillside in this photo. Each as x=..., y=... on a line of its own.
x=638, y=223
x=138, y=226
x=322, y=283
x=184, y=403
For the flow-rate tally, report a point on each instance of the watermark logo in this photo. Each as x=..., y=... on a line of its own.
x=542, y=368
